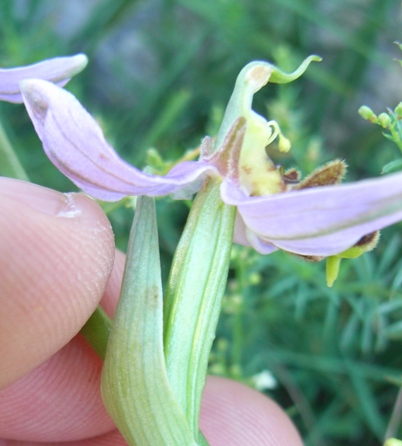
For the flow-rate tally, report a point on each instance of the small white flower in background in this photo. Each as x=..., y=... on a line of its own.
x=265, y=380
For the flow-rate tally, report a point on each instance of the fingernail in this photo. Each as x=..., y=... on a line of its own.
x=39, y=198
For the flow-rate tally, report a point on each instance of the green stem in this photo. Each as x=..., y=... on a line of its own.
x=396, y=136
x=96, y=331
x=10, y=165
x=238, y=335
x=193, y=297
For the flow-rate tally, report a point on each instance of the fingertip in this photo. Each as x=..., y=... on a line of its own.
x=65, y=391
x=57, y=255
x=235, y=414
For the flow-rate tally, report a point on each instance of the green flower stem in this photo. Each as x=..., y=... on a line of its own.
x=193, y=297
x=238, y=332
x=135, y=386
x=10, y=165
x=396, y=137
x=96, y=331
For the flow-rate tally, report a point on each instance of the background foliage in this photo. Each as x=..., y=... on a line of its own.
x=160, y=74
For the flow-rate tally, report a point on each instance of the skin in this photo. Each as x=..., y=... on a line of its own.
x=57, y=263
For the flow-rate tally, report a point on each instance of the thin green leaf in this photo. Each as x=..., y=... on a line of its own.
x=10, y=165
x=135, y=387
x=393, y=166
x=193, y=297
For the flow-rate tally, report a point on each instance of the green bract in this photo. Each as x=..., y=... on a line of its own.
x=135, y=387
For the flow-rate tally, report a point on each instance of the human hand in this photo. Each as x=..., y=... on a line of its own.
x=57, y=263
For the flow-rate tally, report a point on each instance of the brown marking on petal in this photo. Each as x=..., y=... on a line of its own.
x=259, y=74
x=331, y=173
x=369, y=241
x=313, y=259
x=247, y=169
x=291, y=176
x=226, y=158
x=233, y=164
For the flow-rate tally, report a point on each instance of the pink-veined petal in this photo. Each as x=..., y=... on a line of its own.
x=239, y=233
x=75, y=144
x=262, y=246
x=58, y=70
x=243, y=236
x=320, y=221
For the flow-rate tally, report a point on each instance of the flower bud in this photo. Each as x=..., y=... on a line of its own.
x=384, y=120
x=367, y=114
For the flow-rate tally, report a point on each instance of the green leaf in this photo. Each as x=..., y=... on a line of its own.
x=135, y=387
x=193, y=297
x=393, y=166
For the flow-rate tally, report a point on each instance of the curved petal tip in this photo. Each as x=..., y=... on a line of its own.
x=58, y=70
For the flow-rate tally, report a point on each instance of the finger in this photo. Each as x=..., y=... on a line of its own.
x=231, y=414
x=112, y=292
x=236, y=415
x=110, y=439
x=65, y=390
x=58, y=401
x=57, y=254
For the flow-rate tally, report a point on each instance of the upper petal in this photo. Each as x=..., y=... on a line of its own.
x=58, y=70
x=75, y=144
x=320, y=221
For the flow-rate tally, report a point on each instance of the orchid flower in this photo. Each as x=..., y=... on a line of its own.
x=316, y=218
x=58, y=70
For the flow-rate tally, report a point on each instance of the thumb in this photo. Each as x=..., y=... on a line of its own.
x=57, y=253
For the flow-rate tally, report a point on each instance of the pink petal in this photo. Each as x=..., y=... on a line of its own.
x=239, y=234
x=243, y=236
x=260, y=245
x=75, y=144
x=321, y=221
x=58, y=70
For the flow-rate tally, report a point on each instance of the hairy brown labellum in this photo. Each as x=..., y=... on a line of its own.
x=331, y=173
x=291, y=176
x=368, y=241
x=312, y=259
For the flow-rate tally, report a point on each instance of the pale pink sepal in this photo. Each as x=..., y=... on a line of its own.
x=75, y=144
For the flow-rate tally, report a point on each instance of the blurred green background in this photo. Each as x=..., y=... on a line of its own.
x=160, y=75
